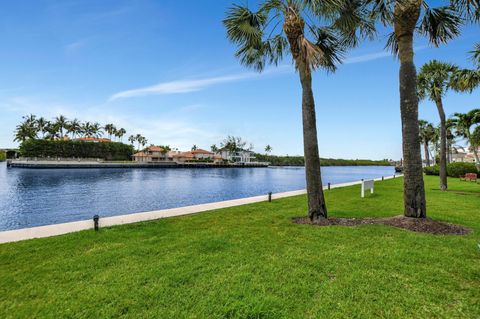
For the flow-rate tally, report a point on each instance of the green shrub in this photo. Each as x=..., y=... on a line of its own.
x=460, y=169
x=78, y=149
x=432, y=170
x=3, y=156
x=453, y=169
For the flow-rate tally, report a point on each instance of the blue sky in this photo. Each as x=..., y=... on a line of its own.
x=164, y=69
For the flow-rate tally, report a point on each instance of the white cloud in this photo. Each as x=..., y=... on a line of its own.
x=75, y=46
x=181, y=86
x=375, y=56
x=187, y=86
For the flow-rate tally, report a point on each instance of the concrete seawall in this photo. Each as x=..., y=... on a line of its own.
x=60, y=229
x=81, y=164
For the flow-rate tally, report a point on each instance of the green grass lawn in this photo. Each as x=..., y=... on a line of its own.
x=253, y=262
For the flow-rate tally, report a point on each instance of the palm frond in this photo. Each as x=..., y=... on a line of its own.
x=440, y=24
x=467, y=9
x=328, y=49
x=392, y=43
x=475, y=54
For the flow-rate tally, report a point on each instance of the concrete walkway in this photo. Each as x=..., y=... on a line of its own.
x=65, y=228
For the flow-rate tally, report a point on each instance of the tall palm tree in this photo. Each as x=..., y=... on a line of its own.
x=312, y=45
x=74, y=127
x=426, y=135
x=450, y=125
x=110, y=129
x=25, y=131
x=214, y=148
x=433, y=82
x=132, y=139
x=268, y=149
x=194, y=147
x=87, y=129
x=61, y=122
x=120, y=133
x=466, y=80
x=41, y=124
x=97, y=130
x=463, y=124
x=53, y=130
x=439, y=24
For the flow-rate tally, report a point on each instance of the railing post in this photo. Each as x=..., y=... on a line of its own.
x=95, y=221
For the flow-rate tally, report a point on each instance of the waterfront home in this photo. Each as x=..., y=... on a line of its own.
x=198, y=155
x=156, y=154
x=153, y=154
x=239, y=156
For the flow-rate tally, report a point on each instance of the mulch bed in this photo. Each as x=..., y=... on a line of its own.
x=421, y=225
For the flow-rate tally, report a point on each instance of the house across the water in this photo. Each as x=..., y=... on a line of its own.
x=156, y=154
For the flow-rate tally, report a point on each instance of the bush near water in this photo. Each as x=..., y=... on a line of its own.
x=299, y=161
x=76, y=149
x=3, y=156
x=453, y=169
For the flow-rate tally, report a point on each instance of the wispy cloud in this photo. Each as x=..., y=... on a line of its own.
x=186, y=86
x=375, y=56
x=75, y=46
x=181, y=86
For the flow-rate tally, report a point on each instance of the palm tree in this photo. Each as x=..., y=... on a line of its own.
x=268, y=149
x=439, y=24
x=426, y=135
x=450, y=125
x=466, y=80
x=214, y=148
x=132, y=139
x=61, y=122
x=110, y=129
x=433, y=82
x=25, y=131
x=463, y=123
x=311, y=46
x=74, y=127
x=53, y=130
x=96, y=129
x=41, y=124
x=120, y=133
x=194, y=147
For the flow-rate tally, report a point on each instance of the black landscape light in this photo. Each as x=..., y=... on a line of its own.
x=328, y=186
x=95, y=221
x=269, y=196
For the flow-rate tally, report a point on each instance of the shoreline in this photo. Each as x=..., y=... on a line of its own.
x=50, y=230
x=39, y=164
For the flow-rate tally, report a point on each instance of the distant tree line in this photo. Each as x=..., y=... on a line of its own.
x=33, y=127
x=75, y=149
x=299, y=161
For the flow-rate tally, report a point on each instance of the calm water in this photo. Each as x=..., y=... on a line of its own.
x=30, y=197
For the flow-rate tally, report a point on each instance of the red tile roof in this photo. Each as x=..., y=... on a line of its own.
x=201, y=151
x=93, y=139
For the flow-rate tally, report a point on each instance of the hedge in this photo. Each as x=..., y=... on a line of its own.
x=299, y=161
x=76, y=149
x=453, y=169
x=3, y=156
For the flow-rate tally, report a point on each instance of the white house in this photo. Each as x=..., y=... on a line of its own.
x=240, y=156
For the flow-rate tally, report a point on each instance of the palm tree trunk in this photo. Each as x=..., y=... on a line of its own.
x=427, y=154
x=294, y=28
x=413, y=191
x=443, y=146
x=316, y=200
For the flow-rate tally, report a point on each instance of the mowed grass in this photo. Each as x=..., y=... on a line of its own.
x=253, y=262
